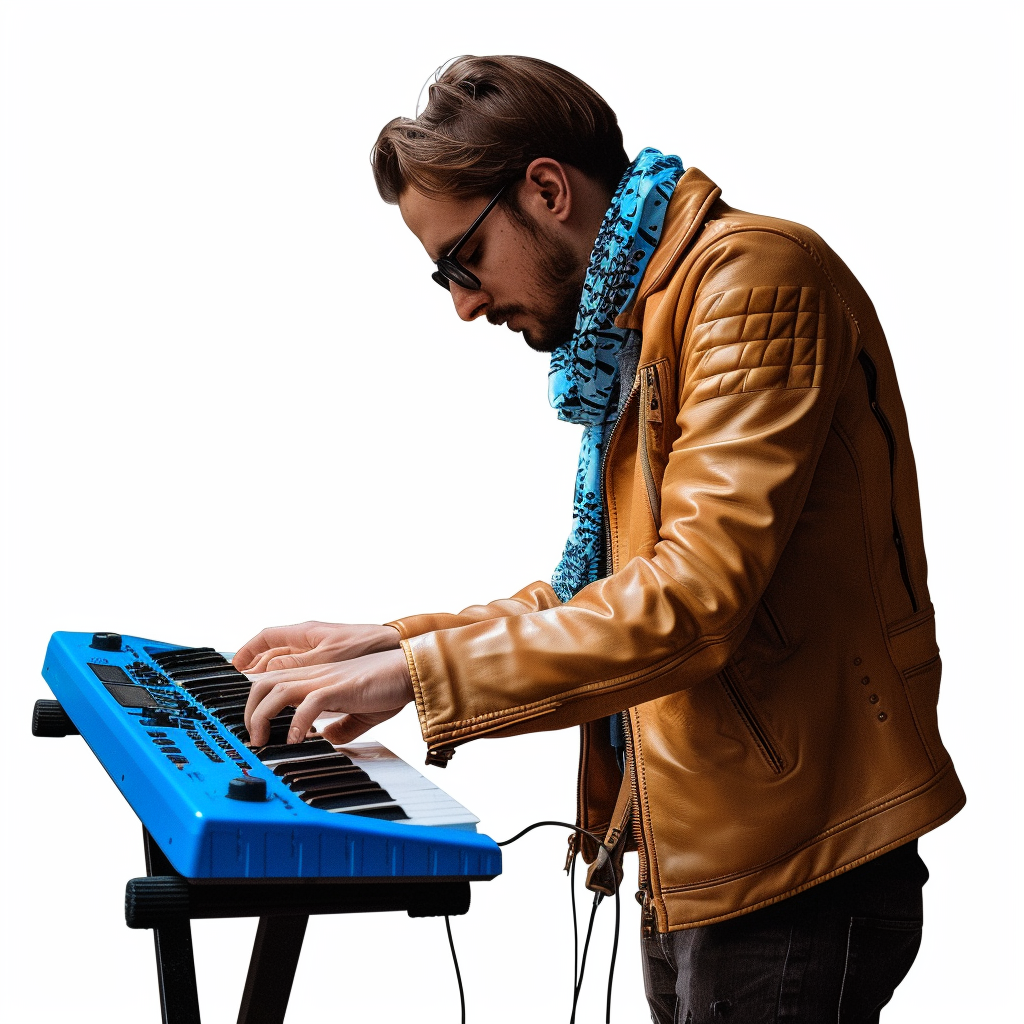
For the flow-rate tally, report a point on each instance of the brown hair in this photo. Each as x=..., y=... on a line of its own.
x=486, y=119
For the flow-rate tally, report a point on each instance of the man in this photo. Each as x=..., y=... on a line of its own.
x=740, y=623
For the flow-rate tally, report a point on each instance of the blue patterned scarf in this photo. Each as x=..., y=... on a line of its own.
x=583, y=381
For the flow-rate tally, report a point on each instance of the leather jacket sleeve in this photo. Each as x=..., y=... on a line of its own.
x=530, y=599
x=754, y=411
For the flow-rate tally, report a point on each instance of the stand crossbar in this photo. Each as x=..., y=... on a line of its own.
x=167, y=903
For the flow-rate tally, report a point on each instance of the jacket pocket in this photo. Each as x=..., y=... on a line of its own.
x=916, y=655
x=762, y=740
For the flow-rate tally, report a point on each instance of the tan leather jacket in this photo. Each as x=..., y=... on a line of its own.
x=767, y=620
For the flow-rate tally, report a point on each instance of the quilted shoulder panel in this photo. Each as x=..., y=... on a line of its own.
x=756, y=339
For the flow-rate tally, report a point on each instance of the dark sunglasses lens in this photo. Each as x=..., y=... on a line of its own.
x=441, y=280
x=455, y=272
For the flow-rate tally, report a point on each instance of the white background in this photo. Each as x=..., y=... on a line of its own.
x=232, y=397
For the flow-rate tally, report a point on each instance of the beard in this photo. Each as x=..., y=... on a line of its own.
x=560, y=277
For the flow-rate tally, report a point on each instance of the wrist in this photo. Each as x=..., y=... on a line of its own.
x=384, y=638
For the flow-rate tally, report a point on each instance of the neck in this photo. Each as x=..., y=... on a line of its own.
x=591, y=200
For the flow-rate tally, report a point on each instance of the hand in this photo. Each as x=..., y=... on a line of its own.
x=312, y=643
x=367, y=690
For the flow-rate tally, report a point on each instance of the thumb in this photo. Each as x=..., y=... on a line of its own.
x=344, y=729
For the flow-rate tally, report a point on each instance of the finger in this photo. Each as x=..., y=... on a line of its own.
x=259, y=689
x=306, y=713
x=345, y=729
x=262, y=663
x=275, y=662
x=276, y=700
x=249, y=652
x=348, y=727
x=290, y=638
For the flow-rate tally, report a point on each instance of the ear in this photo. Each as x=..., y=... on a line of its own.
x=547, y=192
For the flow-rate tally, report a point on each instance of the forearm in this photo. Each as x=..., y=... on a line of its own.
x=536, y=597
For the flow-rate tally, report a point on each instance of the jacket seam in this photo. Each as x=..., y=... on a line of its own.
x=417, y=692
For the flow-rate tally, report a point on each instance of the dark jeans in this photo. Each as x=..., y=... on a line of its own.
x=834, y=953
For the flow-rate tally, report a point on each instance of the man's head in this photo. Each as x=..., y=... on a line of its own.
x=552, y=144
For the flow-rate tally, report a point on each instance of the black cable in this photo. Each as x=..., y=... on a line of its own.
x=611, y=969
x=575, y=926
x=579, y=964
x=560, y=824
x=455, y=960
x=583, y=960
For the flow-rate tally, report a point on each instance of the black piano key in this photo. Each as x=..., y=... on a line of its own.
x=226, y=702
x=174, y=652
x=342, y=779
x=231, y=717
x=205, y=692
x=213, y=688
x=291, y=751
x=234, y=719
x=193, y=673
x=278, y=734
x=210, y=661
x=313, y=764
x=327, y=802
x=391, y=812
x=183, y=657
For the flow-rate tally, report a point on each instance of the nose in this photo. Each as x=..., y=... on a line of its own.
x=469, y=304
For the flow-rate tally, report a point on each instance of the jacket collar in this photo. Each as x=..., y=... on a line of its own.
x=694, y=194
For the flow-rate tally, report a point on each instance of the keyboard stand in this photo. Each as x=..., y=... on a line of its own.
x=168, y=903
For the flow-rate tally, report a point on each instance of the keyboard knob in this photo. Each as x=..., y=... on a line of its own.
x=106, y=641
x=50, y=719
x=253, y=790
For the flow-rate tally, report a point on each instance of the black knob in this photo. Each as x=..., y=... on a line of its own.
x=254, y=790
x=106, y=641
x=50, y=719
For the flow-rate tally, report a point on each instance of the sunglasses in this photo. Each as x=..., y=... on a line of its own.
x=448, y=266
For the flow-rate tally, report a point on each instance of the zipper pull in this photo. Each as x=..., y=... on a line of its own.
x=573, y=840
x=654, y=397
x=440, y=756
x=647, y=918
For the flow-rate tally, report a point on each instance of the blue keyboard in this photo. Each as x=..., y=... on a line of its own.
x=166, y=723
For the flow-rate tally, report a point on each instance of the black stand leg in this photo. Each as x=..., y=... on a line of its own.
x=175, y=964
x=275, y=956
x=168, y=903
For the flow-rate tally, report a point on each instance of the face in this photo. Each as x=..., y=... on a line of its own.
x=530, y=279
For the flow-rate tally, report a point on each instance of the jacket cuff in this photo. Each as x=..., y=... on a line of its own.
x=429, y=622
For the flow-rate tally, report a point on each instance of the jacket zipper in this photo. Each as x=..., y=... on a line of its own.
x=650, y=406
x=634, y=791
x=871, y=377
x=754, y=727
x=634, y=785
